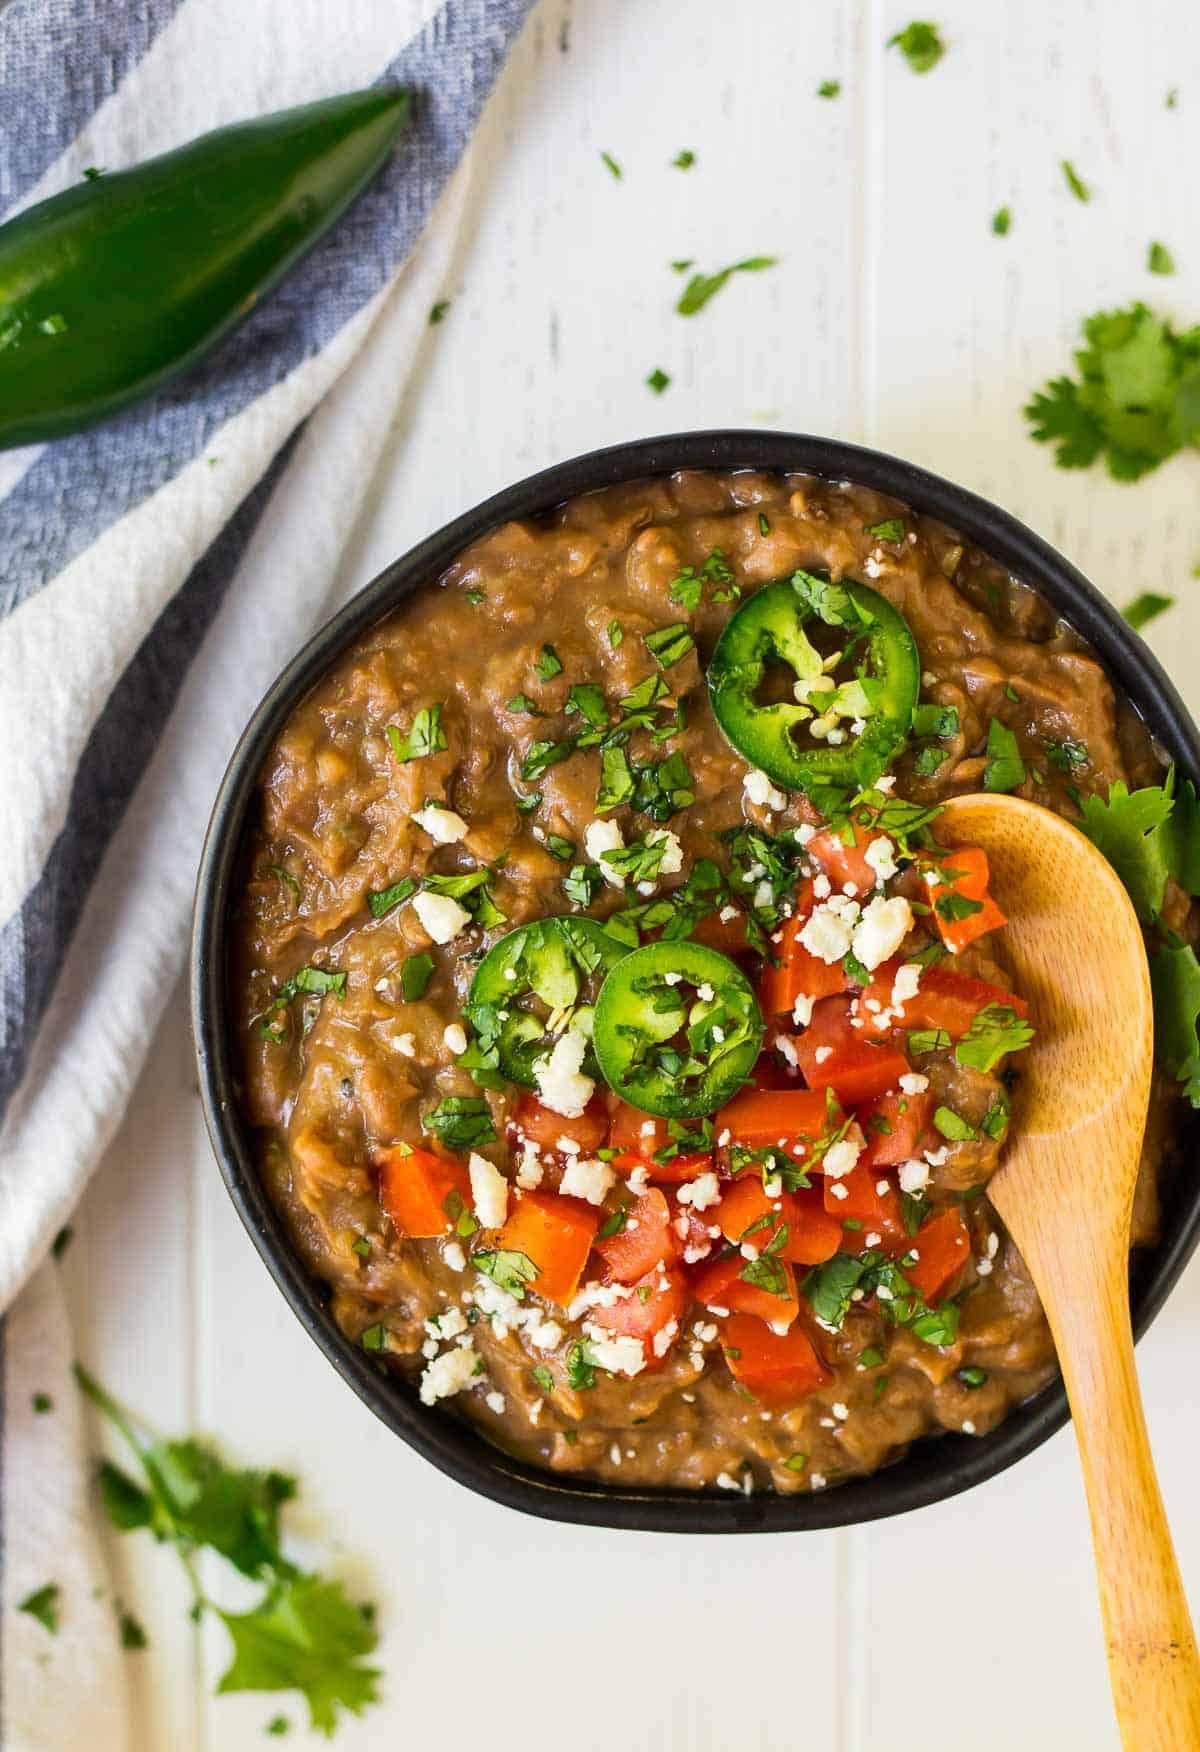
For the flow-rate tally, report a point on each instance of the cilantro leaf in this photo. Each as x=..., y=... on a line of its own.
x=995, y=1031
x=425, y=735
x=1075, y=182
x=43, y=1605
x=701, y=287
x=415, y=975
x=891, y=529
x=1130, y=829
x=920, y=44
x=658, y=380
x=507, y=1269
x=953, y=1126
x=1146, y=607
x=461, y=1121
x=684, y=160
x=305, y=1636
x=616, y=780
x=1005, y=770
x=829, y=88
x=1058, y=416
x=1002, y=221
x=1159, y=259
x=669, y=644
x=382, y=900
x=1175, y=981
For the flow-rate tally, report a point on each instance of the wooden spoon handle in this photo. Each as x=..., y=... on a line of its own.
x=1152, y=1658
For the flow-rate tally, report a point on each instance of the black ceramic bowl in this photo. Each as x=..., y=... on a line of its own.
x=933, y=1468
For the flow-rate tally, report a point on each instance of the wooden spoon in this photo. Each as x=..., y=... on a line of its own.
x=1065, y=1193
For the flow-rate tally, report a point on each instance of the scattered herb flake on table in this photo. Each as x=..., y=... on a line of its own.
x=610, y=164
x=1075, y=182
x=829, y=88
x=438, y=311
x=43, y=1605
x=658, y=380
x=702, y=287
x=684, y=160
x=920, y=44
x=1146, y=607
x=1002, y=221
x=1159, y=259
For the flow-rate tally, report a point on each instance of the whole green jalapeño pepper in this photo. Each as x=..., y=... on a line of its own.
x=677, y=1029
x=830, y=732
x=113, y=286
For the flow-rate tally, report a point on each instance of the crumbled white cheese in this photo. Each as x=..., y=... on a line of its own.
x=442, y=917
x=600, y=837
x=560, y=1082
x=967, y=1427
x=804, y=833
x=880, y=854
x=816, y=1480
x=586, y=1177
x=455, y=1037
x=785, y=1046
x=672, y=862
x=829, y=929
x=544, y=1335
x=705, y=1190
x=937, y=1157
x=760, y=790
x=913, y=1176
x=664, y=1338
x=822, y=886
x=705, y=993
x=495, y=1402
x=442, y=825
x=489, y=1191
x=454, y=1256
x=802, y=1011
x=840, y=1411
x=837, y=1190
x=906, y=983
x=840, y=1158
x=405, y=1045
x=913, y=1083
x=529, y=1168
x=822, y=1053
x=616, y=1351
x=448, y=1374
x=725, y=1481
x=881, y=930
x=639, y=1178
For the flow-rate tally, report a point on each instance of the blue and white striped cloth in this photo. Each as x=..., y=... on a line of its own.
x=154, y=575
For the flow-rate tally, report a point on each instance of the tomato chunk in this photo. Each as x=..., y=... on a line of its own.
x=542, y=1126
x=747, y=1213
x=654, y=1312
x=720, y=1284
x=892, y=1125
x=799, y=974
x=556, y=1234
x=416, y=1187
x=758, y=1117
x=879, y=1213
x=727, y=935
x=968, y=888
x=943, y=999
x=631, y=1130
x=834, y=1055
x=942, y=1246
x=646, y=1240
x=845, y=864
x=778, y=1369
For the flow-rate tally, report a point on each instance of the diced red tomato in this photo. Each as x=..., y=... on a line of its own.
x=942, y=1246
x=659, y=1298
x=638, y=1133
x=799, y=973
x=843, y=863
x=892, y=1125
x=678, y=1170
x=951, y=1001
x=746, y=1213
x=970, y=883
x=835, y=1055
x=727, y=935
x=758, y=1117
x=878, y=1212
x=646, y=1240
x=556, y=1234
x=416, y=1187
x=542, y=1126
x=778, y=1369
x=720, y=1284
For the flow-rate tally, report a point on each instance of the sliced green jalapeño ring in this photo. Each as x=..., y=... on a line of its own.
x=677, y=1029
x=530, y=986
x=872, y=710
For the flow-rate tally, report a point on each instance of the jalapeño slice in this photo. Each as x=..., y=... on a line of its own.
x=871, y=708
x=534, y=984
x=677, y=1029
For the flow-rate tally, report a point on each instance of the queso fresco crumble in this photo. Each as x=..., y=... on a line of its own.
x=625, y=1052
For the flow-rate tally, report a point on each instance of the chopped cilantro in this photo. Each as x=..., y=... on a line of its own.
x=582, y=884
x=581, y=1365
x=543, y=1378
x=62, y=1241
x=616, y=635
x=586, y=701
x=42, y=1402
x=1159, y=259
x=362, y=1247
x=669, y=645
x=995, y=1031
x=541, y=756
x=415, y=975
x=1002, y=221
x=684, y=160
x=509, y=1270
x=1146, y=607
x=972, y=1377
x=438, y=311
x=928, y=761
x=278, y=1726
x=931, y=720
x=871, y=1358
x=1075, y=182
x=1067, y=756
x=701, y=287
x=890, y=529
x=953, y=906
x=658, y=380
x=829, y=88
x=687, y=587
x=461, y=1121
x=1137, y=401
x=374, y=1338
x=1005, y=770
x=382, y=900
x=132, y=1635
x=522, y=703
x=616, y=780
x=526, y=805
x=425, y=735
x=611, y=166
x=475, y=597
x=560, y=848
x=43, y=1605
x=920, y=44
x=953, y=1126
x=764, y=526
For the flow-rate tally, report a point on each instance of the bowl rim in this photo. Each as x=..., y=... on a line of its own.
x=935, y=1467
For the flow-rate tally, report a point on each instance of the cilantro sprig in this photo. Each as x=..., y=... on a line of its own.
x=303, y=1633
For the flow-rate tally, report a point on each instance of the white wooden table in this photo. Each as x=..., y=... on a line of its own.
x=895, y=318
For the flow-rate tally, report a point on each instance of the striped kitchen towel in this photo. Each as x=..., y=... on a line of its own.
x=155, y=574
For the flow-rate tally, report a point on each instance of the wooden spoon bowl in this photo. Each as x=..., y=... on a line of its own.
x=1065, y=1193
